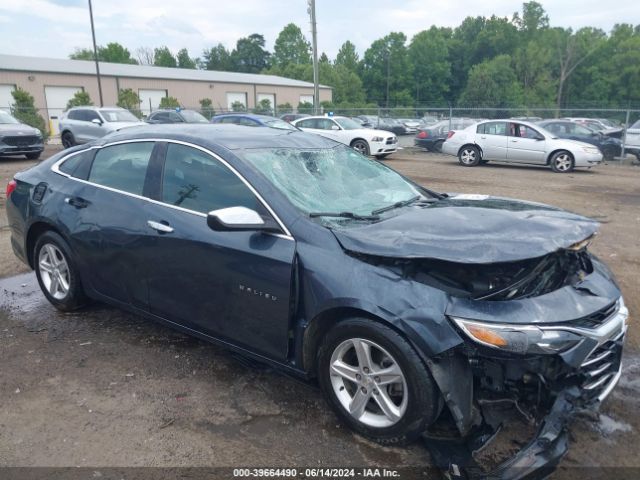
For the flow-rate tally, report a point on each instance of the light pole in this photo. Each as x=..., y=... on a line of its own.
x=95, y=54
x=314, y=42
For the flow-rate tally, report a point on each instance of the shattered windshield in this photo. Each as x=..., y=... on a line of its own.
x=331, y=180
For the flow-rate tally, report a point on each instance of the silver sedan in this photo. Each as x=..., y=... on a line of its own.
x=512, y=141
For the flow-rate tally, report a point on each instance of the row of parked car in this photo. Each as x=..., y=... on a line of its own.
x=601, y=133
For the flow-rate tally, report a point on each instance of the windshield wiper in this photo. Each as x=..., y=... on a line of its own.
x=353, y=216
x=403, y=203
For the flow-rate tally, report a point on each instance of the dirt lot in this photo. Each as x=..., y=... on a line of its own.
x=104, y=388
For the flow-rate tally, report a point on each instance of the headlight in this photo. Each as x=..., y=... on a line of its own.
x=377, y=139
x=525, y=339
x=590, y=150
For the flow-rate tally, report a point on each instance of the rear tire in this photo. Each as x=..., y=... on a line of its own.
x=57, y=273
x=469, y=156
x=67, y=139
x=562, y=162
x=360, y=146
x=392, y=376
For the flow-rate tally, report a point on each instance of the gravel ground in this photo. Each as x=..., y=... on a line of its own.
x=104, y=388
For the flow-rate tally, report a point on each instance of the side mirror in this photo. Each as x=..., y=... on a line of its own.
x=335, y=127
x=238, y=219
x=97, y=121
x=539, y=138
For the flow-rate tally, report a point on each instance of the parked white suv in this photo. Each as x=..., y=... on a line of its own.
x=518, y=142
x=83, y=124
x=367, y=141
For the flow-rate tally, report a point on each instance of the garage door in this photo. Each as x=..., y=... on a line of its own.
x=236, y=97
x=150, y=100
x=6, y=100
x=268, y=96
x=57, y=98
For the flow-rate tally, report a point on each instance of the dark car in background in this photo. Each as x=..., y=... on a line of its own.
x=609, y=146
x=252, y=120
x=407, y=305
x=177, y=115
x=17, y=138
x=392, y=125
x=431, y=138
x=290, y=117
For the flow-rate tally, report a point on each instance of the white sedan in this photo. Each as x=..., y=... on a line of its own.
x=518, y=142
x=367, y=141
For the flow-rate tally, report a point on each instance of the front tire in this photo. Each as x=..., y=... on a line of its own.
x=376, y=382
x=360, y=146
x=469, y=156
x=67, y=139
x=57, y=273
x=562, y=162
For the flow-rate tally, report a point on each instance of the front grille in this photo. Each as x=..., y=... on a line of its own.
x=601, y=366
x=391, y=140
x=596, y=319
x=21, y=141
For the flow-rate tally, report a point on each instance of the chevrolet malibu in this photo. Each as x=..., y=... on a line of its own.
x=520, y=143
x=407, y=305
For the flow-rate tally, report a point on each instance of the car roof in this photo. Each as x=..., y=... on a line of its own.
x=255, y=116
x=93, y=107
x=228, y=136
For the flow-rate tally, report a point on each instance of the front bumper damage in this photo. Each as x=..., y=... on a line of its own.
x=486, y=392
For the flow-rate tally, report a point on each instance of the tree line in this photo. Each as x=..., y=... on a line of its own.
x=484, y=62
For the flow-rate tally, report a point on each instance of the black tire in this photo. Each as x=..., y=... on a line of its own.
x=437, y=147
x=484, y=162
x=383, y=156
x=562, y=162
x=33, y=156
x=67, y=139
x=608, y=154
x=469, y=156
x=75, y=296
x=360, y=146
x=424, y=401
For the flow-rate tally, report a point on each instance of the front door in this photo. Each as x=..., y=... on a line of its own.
x=232, y=285
x=525, y=145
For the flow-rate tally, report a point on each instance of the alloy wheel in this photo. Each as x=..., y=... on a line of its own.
x=368, y=383
x=54, y=271
x=563, y=162
x=468, y=156
x=360, y=147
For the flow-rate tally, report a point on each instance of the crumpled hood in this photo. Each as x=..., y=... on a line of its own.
x=470, y=229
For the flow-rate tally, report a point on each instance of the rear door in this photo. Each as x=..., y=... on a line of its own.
x=232, y=285
x=492, y=139
x=525, y=145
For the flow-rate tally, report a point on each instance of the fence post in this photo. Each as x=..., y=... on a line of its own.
x=624, y=137
x=450, y=114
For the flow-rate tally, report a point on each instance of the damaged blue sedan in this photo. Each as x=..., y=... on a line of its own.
x=412, y=308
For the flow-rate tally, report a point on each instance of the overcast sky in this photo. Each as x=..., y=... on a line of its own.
x=54, y=28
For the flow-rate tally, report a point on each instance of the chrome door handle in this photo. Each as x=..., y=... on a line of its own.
x=514, y=141
x=159, y=227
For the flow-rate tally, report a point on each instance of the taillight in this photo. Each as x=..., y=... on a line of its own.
x=423, y=134
x=450, y=134
x=11, y=186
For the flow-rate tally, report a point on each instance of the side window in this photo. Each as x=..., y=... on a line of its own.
x=306, y=124
x=90, y=115
x=73, y=115
x=196, y=181
x=248, y=122
x=123, y=167
x=324, y=123
x=78, y=165
x=174, y=117
x=494, y=128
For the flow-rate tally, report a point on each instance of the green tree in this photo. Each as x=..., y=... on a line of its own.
x=162, y=57
x=217, y=58
x=250, y=56
x=130, y=100
x=184, y=60
x=285, y=108
x=348, y=57
x=206, y=108
x=24, y=110
x=347, y=86
x=238, y=107
x=79, y=99
x=264, y=107
x=305, y=107
x=112, y=53
x=493, y=83
x=291, y=46
x=387, y=72
x=429, y=52
x=169, y=102
x=533, y=18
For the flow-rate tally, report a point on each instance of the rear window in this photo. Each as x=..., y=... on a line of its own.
x=78, y=165
x=123, y=167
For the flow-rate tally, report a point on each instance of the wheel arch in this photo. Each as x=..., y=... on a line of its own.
x=35, y=230
x=471, y=144
x=553, y=152
x=354, y=140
